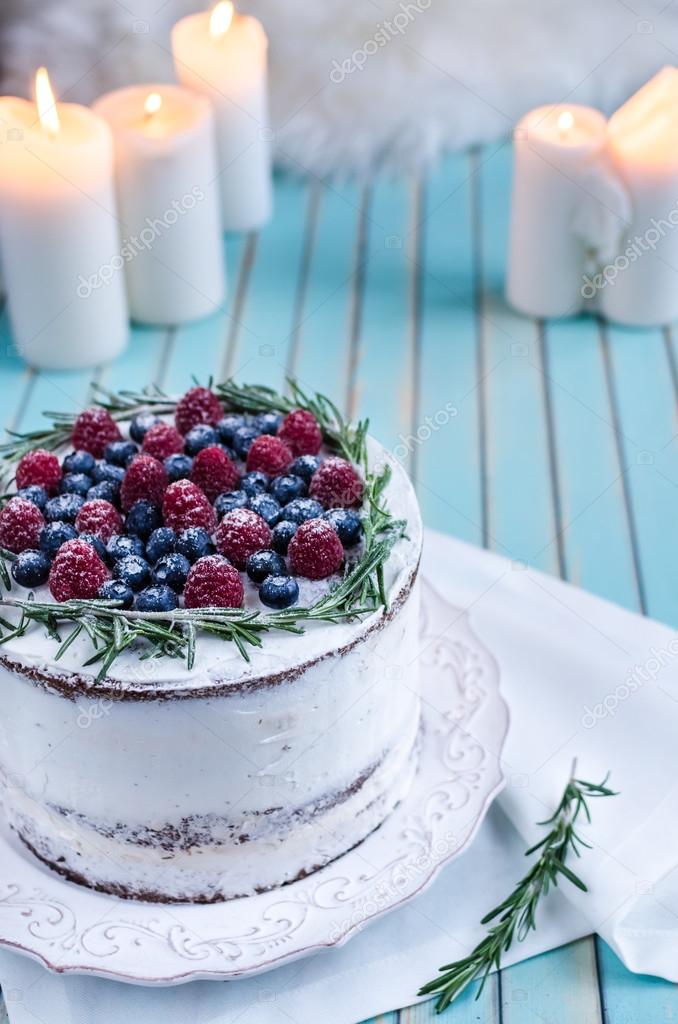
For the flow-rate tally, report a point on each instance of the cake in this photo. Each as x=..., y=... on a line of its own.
x=279, y=727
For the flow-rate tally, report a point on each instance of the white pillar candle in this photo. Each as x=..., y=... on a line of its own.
x=555, y=153
x=224, y=56
x=58, y=226
x=166, y=170
x=640, y=287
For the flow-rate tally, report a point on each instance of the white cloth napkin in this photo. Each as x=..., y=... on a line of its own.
x=583, y=678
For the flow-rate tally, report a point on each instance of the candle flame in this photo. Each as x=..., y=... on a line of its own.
x=565, y=121
x=153, y=104
x=46, y=104
x=221, y=18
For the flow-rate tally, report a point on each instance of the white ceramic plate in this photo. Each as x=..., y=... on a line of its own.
x=71, y=929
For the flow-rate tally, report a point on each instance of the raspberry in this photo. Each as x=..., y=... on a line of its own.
x=335, y=484
x=185, y=505
x=162, y=440
x=301, y=432
x=213, y=583
x=214, y=472
x=145, y=478
x=198, y=405
x=315, y=550
x=93, y=430
x=20, y=524
x=268, y=454
x=241, y=533
x=39, y=467
x=100, y=518
x=77, y=572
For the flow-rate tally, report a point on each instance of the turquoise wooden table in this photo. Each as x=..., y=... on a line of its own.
x=550, y=443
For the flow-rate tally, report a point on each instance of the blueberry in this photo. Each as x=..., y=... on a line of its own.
x=133, y=571
x=96, y=543
x=106, y=490
x=116, y=590
x=301, y=509
x=143, y=518
x=279, y=591
x=346, y=523
x=265, y=563
x=64, y=508
x=195, y=543
x=158, y=598
x=37, y=495
x=31, y=568
x=282, y=535
x=178, y=467
x=141, y=424
x=54, y=535
x=265, y=506
x=305, y=466
x=242, y=439
x=172, y=570
x=268, y=422
x=287, y=488
x=120, y=453
x=255, y=482
x=199, y=437
x=120, y=546
x=76, y=483
x=106, y=471
x=227, y=426
x=161, y=542
x=79, y=462
x=228, y=501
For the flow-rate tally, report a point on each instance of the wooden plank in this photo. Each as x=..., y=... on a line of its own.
x=465, y=1010
x=554, y=987
x=633, y=998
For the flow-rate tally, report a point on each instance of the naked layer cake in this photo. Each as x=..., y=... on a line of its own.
x=207, y=641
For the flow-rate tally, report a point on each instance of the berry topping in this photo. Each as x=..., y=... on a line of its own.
x=279, y=591
x=121, y=546
x=172, y=570
x=286, y=488
x=242, y=439
x=143, y=518
x=267, y=507
x=227, y=426
x=300, y=431
x=195, y=543
x=157, y=598
x=54, y=535
x=64, y=508
x=39, y=467
x=120, y=453
x=346, y=523
x=141, y=424
x=100, y=518
x=133, y=571
x=31, y=568
x=106, y=472
x=106, y=490
x=265, y=563
x=145, y=478
x=77, y=572
x=162, y=542
x=315, y=550
x=240, y=533
x=202, y=436
x=213, y=583
x=301, y=509
x=198, y=405
x=76, y=483
x=268, y=422
x=162, y=440
x=336, y=484
x=227, y=502
x=79, y=462
x=93, y=430
x=255, y=483
x=282, y=535
x=268, y=454
x=178, y=467
x=96, y=543
x=185, y=505
x=305, y=466
x=116, y=590
x=213, y=472
x=35, y=494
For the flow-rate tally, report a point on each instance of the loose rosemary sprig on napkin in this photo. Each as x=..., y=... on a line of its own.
x=516, y=916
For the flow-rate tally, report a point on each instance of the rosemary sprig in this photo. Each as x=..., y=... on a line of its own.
x=112, y=630
x=516, y=915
